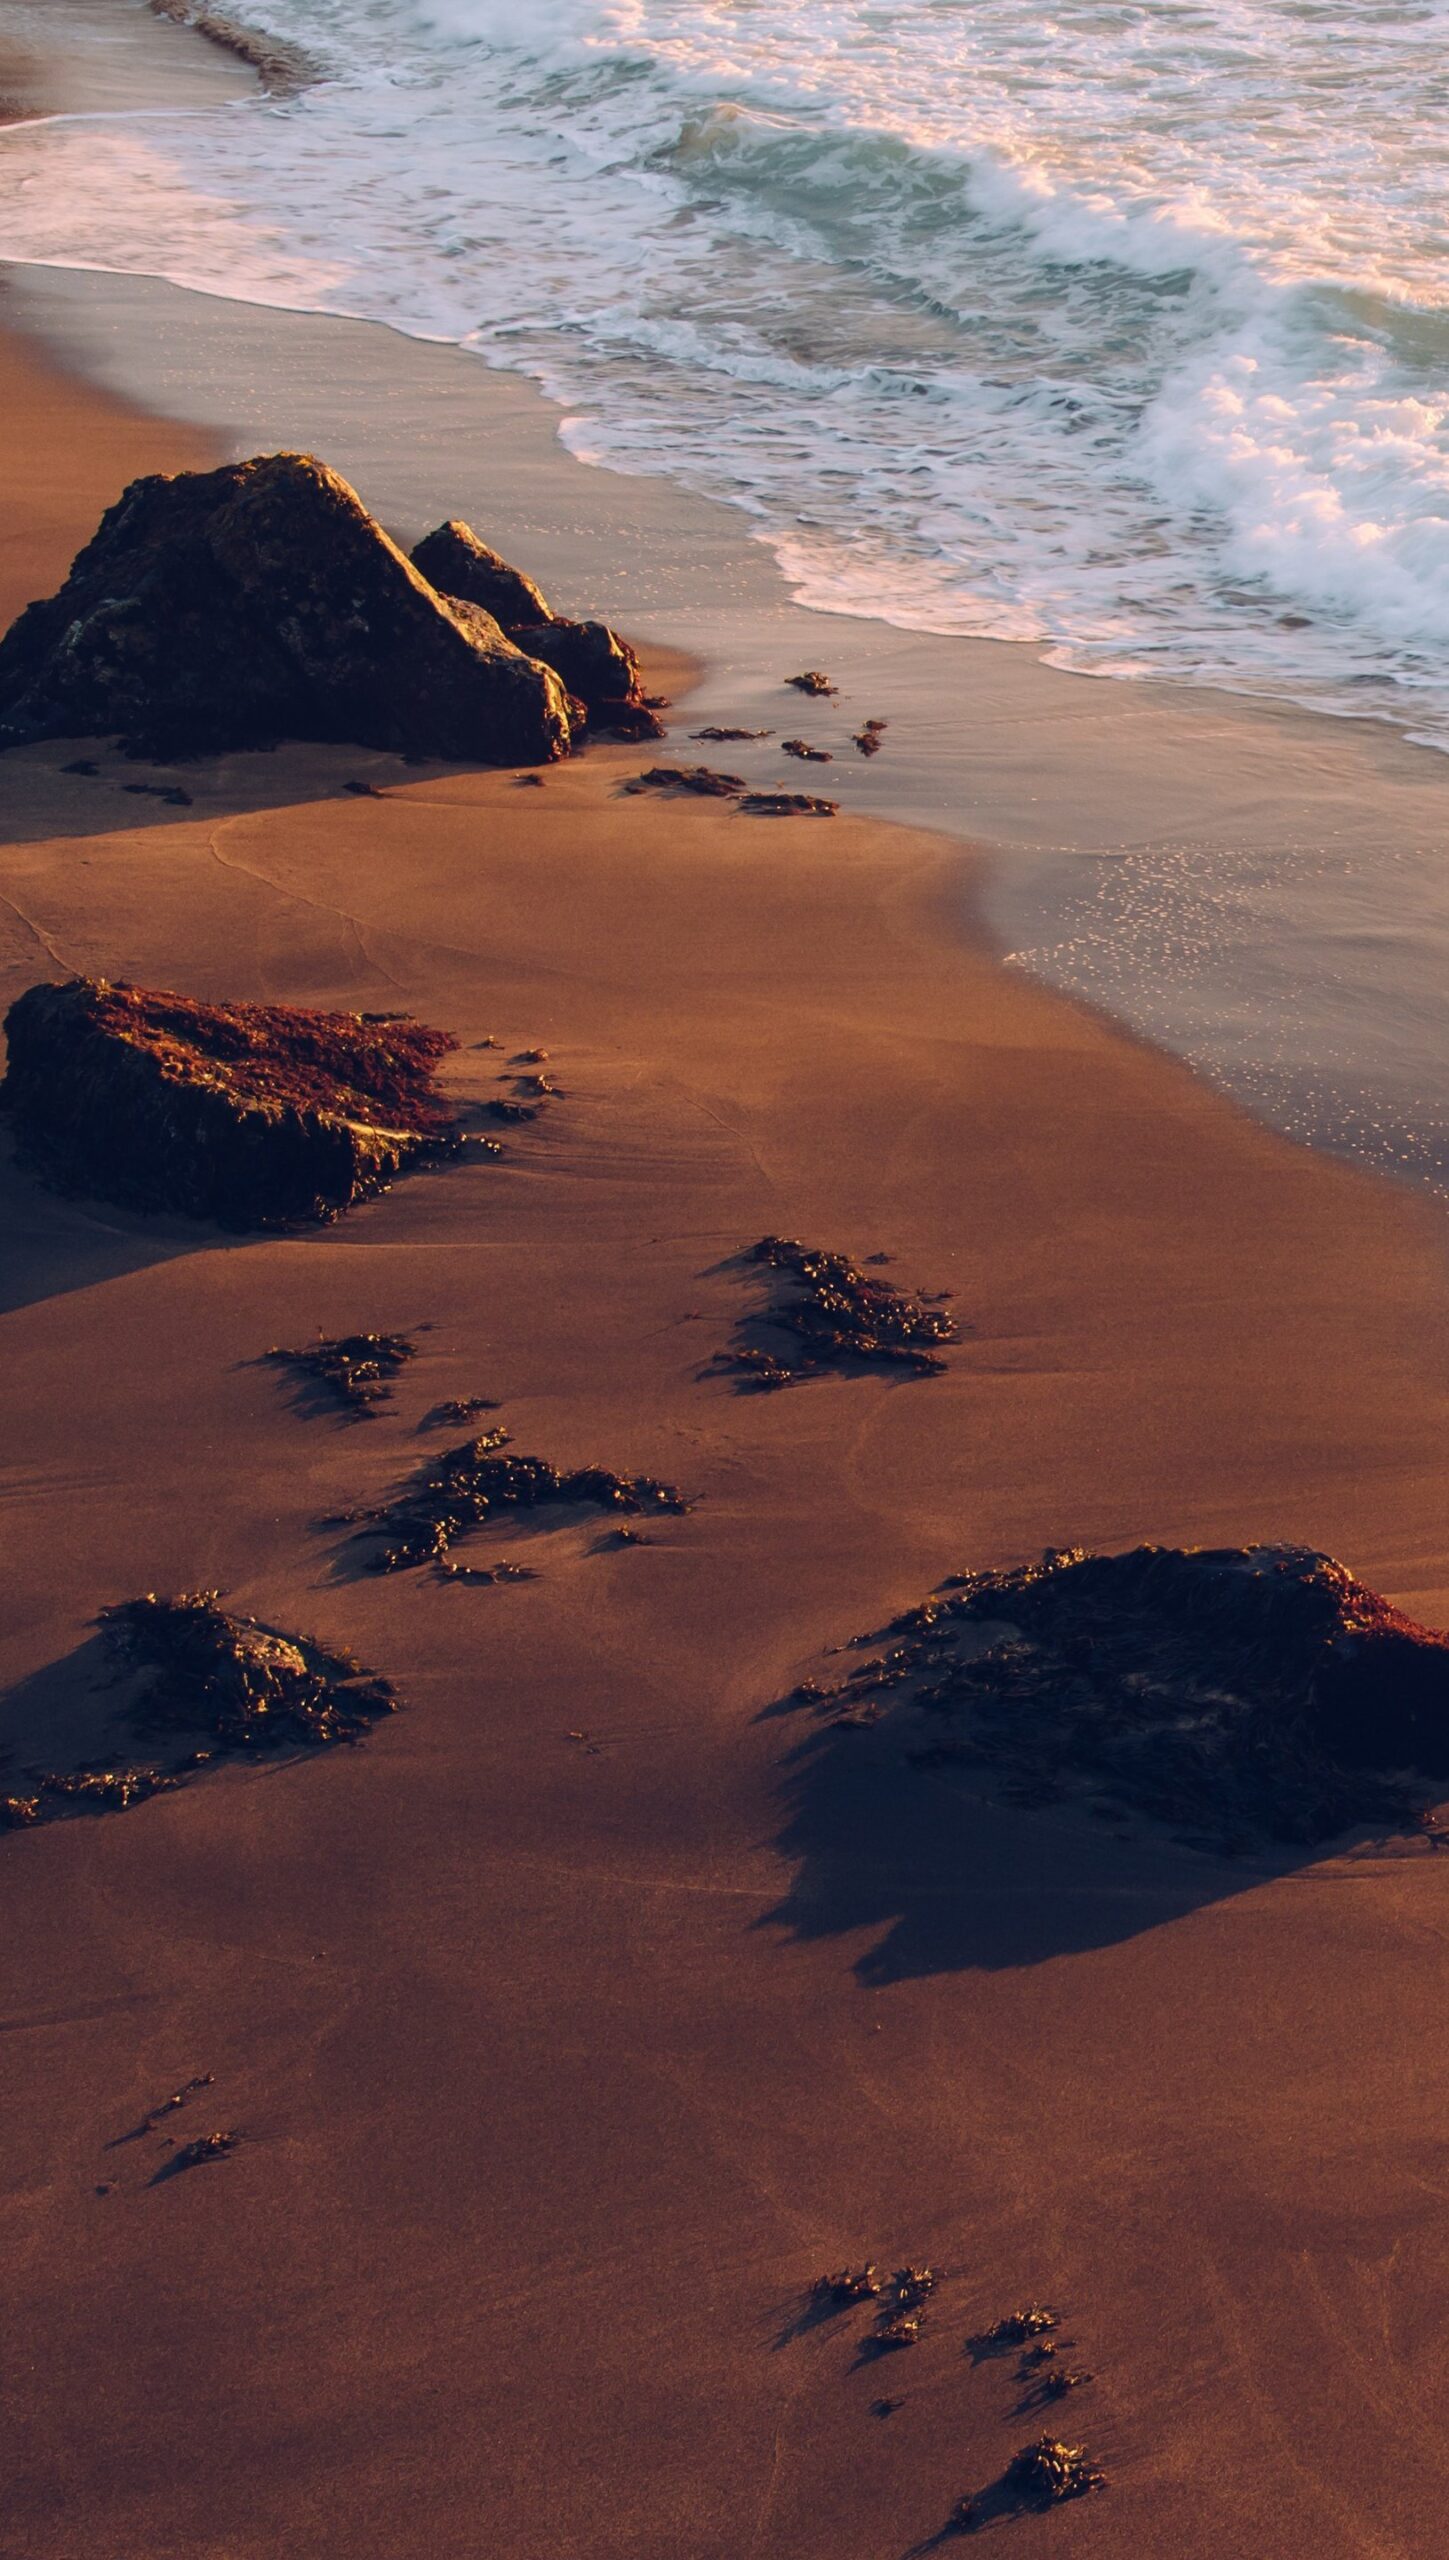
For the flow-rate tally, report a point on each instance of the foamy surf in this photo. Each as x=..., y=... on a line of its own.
x=1123, y=334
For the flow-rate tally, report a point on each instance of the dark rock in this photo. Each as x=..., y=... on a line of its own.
x=230, y=608
x=453, y=560
x=599, y=669
x=1241, y=1694
x=254, y=1115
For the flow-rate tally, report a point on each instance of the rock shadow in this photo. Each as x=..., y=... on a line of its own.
x=950, y=1883
x=1050, y=1758
x=56, y=1243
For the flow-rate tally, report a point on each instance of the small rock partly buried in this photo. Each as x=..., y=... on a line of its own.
x=252, y=1115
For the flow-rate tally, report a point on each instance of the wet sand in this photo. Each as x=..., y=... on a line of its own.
x=574, y=2024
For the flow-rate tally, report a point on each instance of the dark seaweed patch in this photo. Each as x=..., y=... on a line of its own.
x=475, y=1483
x=839, y=1317
x=357, y=1368
x=787, y=804
x=689, y=777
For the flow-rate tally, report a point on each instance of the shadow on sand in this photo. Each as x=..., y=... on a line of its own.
x=950, y=1883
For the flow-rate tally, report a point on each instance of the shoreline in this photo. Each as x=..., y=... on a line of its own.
x=1253, y=888
x=577, y=2023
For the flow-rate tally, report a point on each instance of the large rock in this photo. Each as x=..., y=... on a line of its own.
x=1249, y=1693
x=236, y=607
x=253, y=1115
x=598, y=667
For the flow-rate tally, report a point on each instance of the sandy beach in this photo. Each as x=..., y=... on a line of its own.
x=575, y=2024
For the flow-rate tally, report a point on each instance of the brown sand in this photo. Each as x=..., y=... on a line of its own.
x=579, y=2020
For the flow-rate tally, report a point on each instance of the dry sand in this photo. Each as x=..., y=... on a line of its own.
x=580, y=2019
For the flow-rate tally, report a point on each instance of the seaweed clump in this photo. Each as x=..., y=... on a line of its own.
x=1040, y=2475
x=239, y=1685
x=254, y=1115
x=476, y=1482
x=357, y=1368
x=839, y=1318
x=1239, y=1694
x=204, y=1685
x=700, y=778
x=788, y=804
x=812, y=681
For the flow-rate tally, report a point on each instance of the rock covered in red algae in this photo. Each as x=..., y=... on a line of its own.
x=598, y=667
x=253, y=1115
x=237, y=607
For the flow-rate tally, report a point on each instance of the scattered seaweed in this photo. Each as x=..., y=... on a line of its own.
x=812, y=681
x=689, y=777
x=804, y=753
x=53, y=1793
x=167, y=2107
x=358, y=1368
x=866, y=739
x=839, y=1318
x=729, y=737
x=457, y=1409
x=476, y=1482
x=1242, y=1696
x=503, y=1571
x=1054, y=2383
x=787, y=804
x=1012, y=2331
x=196, y=2155
x=848, y=2285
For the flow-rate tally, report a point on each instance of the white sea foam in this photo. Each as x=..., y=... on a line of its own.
x=1121, y=328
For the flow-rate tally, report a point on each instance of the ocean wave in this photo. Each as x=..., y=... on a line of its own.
x=1116, y=335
